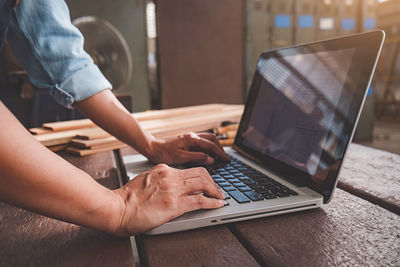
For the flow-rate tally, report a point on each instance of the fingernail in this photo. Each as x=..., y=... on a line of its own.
x=221, y=202
x=222, y=194
x=210, y=160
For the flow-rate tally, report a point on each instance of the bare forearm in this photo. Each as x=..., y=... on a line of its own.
x=34, y=178
x=106, y=111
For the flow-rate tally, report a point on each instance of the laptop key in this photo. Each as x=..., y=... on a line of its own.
x=234, y=180
x=238, y=184
x=239, y=196
x=227, y=196
x=229, y=176
x=249, y=182
x=219, y=180
x=269, y=196
x=224, y=184
x=215, y=176
x=254, y=196
x=244, y=188
x=229, y=188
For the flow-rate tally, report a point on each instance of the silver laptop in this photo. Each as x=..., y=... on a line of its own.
x=299, y=118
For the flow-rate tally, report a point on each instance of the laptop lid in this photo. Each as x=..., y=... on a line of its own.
x=303, y=106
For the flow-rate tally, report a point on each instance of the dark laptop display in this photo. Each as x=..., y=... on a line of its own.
x=302, y=107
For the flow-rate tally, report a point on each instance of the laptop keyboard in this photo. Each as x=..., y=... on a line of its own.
x=245, y=184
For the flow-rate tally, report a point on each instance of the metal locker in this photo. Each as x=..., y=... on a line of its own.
x=348, y=14
x=257, y=34
x=326, y=11
x=304, y=30
x=282, y=23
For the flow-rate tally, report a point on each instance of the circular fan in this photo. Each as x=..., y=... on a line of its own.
x=108, y=48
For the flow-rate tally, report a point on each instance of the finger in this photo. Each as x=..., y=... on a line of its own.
x=208, y=147
x=202, y=185
x=201, y=172
x=196, y=202
x=197, y=172
x=195, y=157
x=211, y=137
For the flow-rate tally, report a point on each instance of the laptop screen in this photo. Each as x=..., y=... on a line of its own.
x=303, y=105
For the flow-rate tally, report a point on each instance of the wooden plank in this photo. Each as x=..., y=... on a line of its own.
x=349, y=231
x=196, y=122
x=91, y=134
x=173, y=112
x=86, y=152
x=231, y=112
x=212, y=246
x=39, y=131
x=373, y=175
x=28, y=239
x=93, y=143
x=56, y=138
x=193, y=119
x=57, y=147
x=68, y=125
x=140, y=116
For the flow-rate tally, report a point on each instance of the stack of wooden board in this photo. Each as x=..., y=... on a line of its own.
x=83, y=137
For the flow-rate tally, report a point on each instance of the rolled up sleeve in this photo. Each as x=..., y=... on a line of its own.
x=50, y=48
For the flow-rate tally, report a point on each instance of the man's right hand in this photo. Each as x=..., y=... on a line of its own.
x=163, y=193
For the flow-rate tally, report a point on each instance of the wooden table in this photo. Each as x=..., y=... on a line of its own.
x=361, y=226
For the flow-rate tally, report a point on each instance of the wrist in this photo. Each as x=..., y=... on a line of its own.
x=116, y=226
x=110, y=219
x=154, y=149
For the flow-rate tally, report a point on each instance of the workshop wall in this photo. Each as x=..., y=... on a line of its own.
x=200, y=51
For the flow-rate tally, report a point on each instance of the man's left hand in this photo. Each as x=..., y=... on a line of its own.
x=191, y=147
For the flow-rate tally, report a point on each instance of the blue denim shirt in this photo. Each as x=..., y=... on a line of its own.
x=50, y=48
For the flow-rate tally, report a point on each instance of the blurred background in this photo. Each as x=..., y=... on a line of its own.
x=172, y=53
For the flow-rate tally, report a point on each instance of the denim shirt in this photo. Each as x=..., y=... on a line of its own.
x=5, y=12
x=50, y=48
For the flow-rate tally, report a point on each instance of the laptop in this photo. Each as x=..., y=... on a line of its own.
x=299, y=118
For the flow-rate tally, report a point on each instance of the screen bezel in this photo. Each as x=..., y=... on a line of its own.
x=370, y=45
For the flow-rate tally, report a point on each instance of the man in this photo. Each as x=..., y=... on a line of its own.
x=50, y=48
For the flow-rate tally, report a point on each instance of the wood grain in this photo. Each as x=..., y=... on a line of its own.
x=347, y=232
x=163, y=122
x=93, y=143
x=212, y=246
x=373, y=175
x=57, y=148
x=140, y=116
x=28, y=239
x=91, y=151
x=56, y=138
x=39, y=131
x=68, y=125
x=93, y=140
